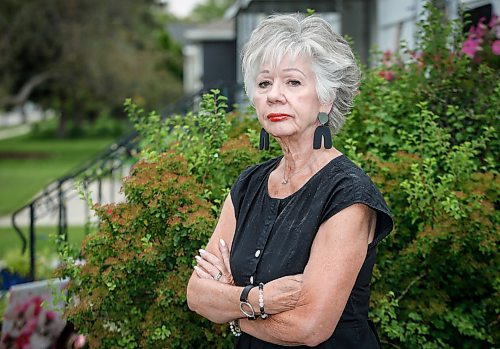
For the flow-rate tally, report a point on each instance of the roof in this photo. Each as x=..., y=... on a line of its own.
x=222, y=29
x=235, y=8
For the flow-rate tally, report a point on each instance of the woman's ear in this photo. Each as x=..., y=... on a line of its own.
x=326, y=108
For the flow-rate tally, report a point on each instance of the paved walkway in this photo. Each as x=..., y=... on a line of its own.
x=14, y=131
x=19, y=120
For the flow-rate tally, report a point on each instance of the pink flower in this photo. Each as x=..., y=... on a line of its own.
x=29, y=327
x=495, y=47
x=416, y=54
x=471, y=46
x=38, y=305
x=79, y=341
x=481, y=28
x=387, y=75
x=50, y=316
x=493, y=21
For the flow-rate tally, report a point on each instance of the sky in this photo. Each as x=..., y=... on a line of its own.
x=182, y=8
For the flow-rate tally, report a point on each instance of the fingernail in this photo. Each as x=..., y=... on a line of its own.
x=198, y=258
x=202, y=251
x=222, y=242
x=196, y=268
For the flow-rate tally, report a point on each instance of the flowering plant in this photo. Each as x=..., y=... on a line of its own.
x=483, y=42
x=32, y=326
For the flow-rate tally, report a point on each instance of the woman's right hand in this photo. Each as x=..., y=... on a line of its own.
x=282, y=294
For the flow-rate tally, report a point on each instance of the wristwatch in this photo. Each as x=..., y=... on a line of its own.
x=245, y=306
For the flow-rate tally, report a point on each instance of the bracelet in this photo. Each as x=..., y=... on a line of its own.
x=235, y=327
x=249, y=312
x=263, y=314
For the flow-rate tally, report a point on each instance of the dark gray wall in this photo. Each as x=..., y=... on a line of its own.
x=357, y=20
x=219, y=62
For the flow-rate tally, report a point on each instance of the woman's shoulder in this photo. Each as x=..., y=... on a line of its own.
x=342, y=170
x=345, y=182
x=250, y=181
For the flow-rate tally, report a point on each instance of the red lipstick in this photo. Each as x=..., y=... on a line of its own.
x=277, y=117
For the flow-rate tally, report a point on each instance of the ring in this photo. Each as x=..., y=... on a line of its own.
x=218, y=276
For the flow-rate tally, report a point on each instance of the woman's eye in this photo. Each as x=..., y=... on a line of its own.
x=264, y=84
x=294, y=82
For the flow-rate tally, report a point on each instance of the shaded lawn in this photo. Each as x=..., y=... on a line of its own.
x=27, y=165
x=46, y=258
x=44, y=243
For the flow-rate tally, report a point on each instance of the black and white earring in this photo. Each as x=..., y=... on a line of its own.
x=322, y=133
x=264, y=140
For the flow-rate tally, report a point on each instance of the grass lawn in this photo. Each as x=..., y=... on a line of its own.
x=10, y=241
x=27, y=165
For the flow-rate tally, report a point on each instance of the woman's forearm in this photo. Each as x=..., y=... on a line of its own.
x=216, y=301
x=299, y=326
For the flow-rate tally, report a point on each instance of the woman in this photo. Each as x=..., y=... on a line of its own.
x=290, y=260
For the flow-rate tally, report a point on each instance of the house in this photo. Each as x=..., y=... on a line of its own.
x=212, y=56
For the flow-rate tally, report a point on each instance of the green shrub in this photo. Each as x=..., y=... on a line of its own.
x=131, y=292
x=425, y=130
x=465, y=95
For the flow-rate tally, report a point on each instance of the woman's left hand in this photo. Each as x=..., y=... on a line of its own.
x=211, y=267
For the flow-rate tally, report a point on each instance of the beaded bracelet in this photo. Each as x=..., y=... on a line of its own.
x=263, y=314
x=235, y=327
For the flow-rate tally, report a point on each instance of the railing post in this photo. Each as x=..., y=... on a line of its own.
x=87, y=209
x=62, y=212
x=32, y=242
x=99, y=190
x=112, y=184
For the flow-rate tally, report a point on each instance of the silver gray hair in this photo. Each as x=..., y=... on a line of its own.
x=332, y=60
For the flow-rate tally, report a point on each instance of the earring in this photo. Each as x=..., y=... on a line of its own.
x=264, y=140
x=322, y=132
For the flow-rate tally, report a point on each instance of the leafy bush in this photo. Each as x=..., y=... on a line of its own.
x=103, y=125
x=425, y=130
x=130, y=293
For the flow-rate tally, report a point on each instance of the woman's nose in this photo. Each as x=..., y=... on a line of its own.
x=275, y=94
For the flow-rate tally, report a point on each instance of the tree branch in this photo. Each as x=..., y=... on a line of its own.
x=22, y=96
x=424, y=273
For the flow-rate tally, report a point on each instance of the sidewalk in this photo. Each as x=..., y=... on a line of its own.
x=14, y=123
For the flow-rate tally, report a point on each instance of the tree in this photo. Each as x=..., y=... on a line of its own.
x=83, y=58
x=210, y=10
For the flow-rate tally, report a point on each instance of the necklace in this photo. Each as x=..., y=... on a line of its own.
x=286, y=180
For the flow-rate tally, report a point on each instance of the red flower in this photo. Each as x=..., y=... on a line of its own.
x=23, y=340
x=387, y=75
x=50, y=316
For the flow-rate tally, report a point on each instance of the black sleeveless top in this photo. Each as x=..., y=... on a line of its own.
x=273, y=238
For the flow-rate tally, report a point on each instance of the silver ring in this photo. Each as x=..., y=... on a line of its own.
x=218, y=276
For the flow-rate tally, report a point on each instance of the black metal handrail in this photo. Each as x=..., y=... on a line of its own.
x=53, y=197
